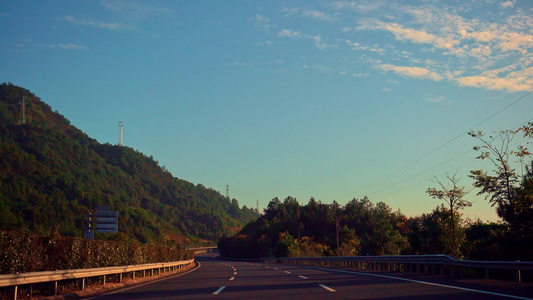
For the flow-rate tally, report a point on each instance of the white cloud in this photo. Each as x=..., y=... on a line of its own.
x=318, y=15
x=346, y=29
x=134, y=9
x=97, y=24
x=63, y=46
x=263, y=23
x=515, y=81
x=243, y=64
x=386, y=89
x=507, y=4
x=295, y=35
x=416, y=72
x=290, y=34
x=363, y=47
x=434, y=98
x=317, y=40
x=359, y=74
x=361, y=6
x=408, y=34
x=289, y=12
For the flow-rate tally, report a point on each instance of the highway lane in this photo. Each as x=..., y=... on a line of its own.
x=217, y=279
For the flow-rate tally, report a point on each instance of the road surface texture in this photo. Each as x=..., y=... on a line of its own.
x=218, y=279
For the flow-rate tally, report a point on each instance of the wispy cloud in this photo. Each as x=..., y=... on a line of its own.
x=308, y=13
x=63, y=46
x=508, y=4
x=286, y=33
x=136, y=10
x=415, y=72
x=364, y=47
x=408, y=34
x=263, y=23
x=361, y=6
x=318, y=15
x=89, y=22
x=480, y=45
x=513, y=81
x=430, y=98
x=295, y=35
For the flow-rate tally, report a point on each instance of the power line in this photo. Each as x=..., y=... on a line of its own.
x=447, y=143
x=455, y=169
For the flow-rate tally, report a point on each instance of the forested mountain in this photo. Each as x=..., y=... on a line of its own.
x=52, y=175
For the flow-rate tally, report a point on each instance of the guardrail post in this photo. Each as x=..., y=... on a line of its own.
x=120, y=277
x=518, y=276
x=133, y=275
x=82, y=284
x=486, y=275
x=104, y=280
x=16, y=292
x=55, y=288
x=417, y=268
x=433, y=271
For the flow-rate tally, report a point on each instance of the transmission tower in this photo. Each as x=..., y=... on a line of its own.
x=120, y=124
x=22, y=119
x=227, y=191
x=257, y=206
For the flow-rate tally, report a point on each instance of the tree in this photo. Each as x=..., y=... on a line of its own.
x=452, y=195
x=336, y=210
x=501, y=187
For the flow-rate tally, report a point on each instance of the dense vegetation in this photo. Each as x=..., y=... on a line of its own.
x=23, y=253
x=364, y=228
x=52, y=175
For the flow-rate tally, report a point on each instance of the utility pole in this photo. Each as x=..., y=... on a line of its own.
x=22, y=119
x=227, y=191
x=120, y=124
x=257, y=206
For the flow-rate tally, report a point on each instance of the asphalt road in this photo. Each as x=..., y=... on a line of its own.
x=217, y=279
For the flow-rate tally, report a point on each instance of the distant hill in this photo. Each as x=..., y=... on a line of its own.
x=52, y=175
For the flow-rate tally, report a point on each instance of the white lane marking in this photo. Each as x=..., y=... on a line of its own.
x=234, y=273
x=287, y=272
x=302, y=276
x=428, y=283
x=276, y=269
x=232, y=278
x=267, y=267
x=327, y=288
x=219, y=290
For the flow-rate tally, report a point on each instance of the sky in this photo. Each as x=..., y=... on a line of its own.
x=334, y=100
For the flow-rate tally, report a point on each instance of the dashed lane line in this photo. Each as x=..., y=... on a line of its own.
x=219, y=290
x=303, y=277
x=287, y=272
x=327, y=288
x=232, y=278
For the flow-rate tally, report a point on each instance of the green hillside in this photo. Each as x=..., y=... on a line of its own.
x=52, y=175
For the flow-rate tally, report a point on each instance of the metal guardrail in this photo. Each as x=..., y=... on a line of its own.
x=407, y=263
x=202, y=249
x=16, y=280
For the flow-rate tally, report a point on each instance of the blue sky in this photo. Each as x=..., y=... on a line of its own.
x=330, y=99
